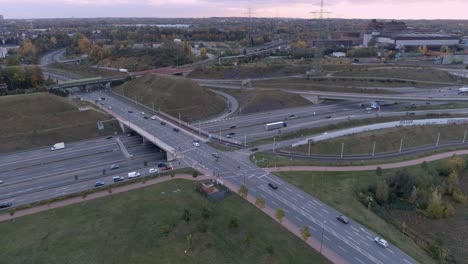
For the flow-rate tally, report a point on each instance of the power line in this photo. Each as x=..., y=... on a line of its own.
x=320, y=41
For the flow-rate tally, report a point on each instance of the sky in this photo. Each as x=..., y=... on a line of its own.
x=367, y=9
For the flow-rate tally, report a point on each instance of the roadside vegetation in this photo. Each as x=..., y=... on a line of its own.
x=423, y=204
x=84, y=70
x=386, y=140
x=254, y=101
x=174, y=95
x=41, y=119
x=168, y=222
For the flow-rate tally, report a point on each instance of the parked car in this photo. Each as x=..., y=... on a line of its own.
x=163, y=123
x=117, y=178
x=153, y=117
x=328, y=116
x=382, y=242
x=130, y=111
x=102, y=98
x=1, y=181
x=175, y=129
x=232, y=133
x=273, y=185
x=161, y=165
x=229, y=136
x=142, y=113
x=114, y=166
x=5, y=205
x=196, y=144
x=99, y=183
x=152, y=170
x=109, y=137
x=254, y=149
x=292, y=116
x=343, y=219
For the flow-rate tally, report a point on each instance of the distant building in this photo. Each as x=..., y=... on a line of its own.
x=3, y=52
x=355, y=37
x=330, y=43
x=397, y=35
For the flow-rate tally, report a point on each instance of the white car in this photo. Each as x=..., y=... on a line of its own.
x=1, y=181
x=382, y=242
x=153, y=170
x=133, y=174
x=196, y=144
x=142, y=113
x=153, y=118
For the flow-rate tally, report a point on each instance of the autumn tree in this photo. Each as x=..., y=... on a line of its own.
x=203, y=53
x=413, y=196
x=435, y=208
x=243, y=191
x=452, y=184
x=305, y=233
x=381, y=192
x=260, y=202
x=280, y=215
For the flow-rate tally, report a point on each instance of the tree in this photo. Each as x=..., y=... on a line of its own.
x=260, y=202
x=195, y=174
x=305, y=233
x=189, y=240
x=456, y=163
x=378, y=171
x=165, y=229
x=187, y=48
x=247, y=240
x=233, y=222
x=381, y=192
x=206, y=212
x=413, y=196
x=243, y=191
x=203, y=53
x=280, y=215
x=435, y=209
x=186, y=216
x=452, y=182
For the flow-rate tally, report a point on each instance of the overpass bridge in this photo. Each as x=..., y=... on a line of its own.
x=87, y=84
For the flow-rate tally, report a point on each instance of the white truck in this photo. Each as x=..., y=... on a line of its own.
x=57, y=146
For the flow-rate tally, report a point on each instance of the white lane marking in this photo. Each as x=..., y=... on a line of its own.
x=300, y=195
x=359, y=260
x=284, y=209
x=343, y=249
x=391, y=251
x=407, y=261
x=327, y=238
x=381, y=254
x=273, y=202
x=365, y=231
x=288, y=189
x=314, y=229
x=325, y=211
x=299, y=219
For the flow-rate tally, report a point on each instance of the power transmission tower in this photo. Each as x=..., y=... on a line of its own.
x=249, y=33
x=316, y=66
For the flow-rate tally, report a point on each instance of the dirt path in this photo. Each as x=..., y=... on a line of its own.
x=92, y=196
x=371, y=167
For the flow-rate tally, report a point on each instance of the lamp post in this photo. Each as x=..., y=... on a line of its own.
x=321, y=240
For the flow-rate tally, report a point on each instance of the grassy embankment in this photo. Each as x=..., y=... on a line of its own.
x=41, y=119
x=174, y=95
x=128, y=228
x=85, y=71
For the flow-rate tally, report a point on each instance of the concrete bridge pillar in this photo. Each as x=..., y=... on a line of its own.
x=108, y=85
x=123, y=127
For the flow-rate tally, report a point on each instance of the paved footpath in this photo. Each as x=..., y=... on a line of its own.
x=370, y=167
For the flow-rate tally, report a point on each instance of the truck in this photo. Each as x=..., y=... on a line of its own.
x=275, y=125
x=463, y=90
x=57, y=146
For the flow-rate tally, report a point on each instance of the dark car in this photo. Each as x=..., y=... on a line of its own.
x=254, y=149
x=343, y=219
x=145, y=117
x=102, y=98
x=130, y=111
x=328, y=117
x=273, y=185
x=118, y=178
x=175, y=129
x=232, y=134
x=216, y=155
x=109, y=137
x=163, y=123
x=161, y=165
x=232, y=127
x=5, y=205
x=99, y=183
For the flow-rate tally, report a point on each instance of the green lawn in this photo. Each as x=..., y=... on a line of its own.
x=125, y=228
x=338, y=189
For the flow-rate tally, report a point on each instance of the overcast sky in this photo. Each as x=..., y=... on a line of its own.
x=397, y=9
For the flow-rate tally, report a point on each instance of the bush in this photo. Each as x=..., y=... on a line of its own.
x=195, y=174
x=165, y=230
x=270, y=250
x=206, y=212
x=459, y=197
x=12, y=211
x=202, y=227
x=449, y=210
x=233, y=222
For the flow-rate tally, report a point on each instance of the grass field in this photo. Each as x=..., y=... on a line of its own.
x=126, y=228
x=246, y=71
x=40, y=119
x=338, y=189
x=387, y=140
x=174, y=95
x=253, y=101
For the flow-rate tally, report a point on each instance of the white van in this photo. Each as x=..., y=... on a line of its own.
x=133, y=174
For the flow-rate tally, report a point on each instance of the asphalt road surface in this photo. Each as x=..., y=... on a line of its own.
x=352, y=242
x=40, y=174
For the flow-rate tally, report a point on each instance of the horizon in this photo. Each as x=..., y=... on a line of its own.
x=294, y=9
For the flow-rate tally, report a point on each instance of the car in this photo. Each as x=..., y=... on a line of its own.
x=412, y=113
x=108, y=106
x=130, y=111
x=133, y=174
x=273, y=185
x=163, y=123
x=381, y=242
x=99, y=183
x=361, y=105
x=142, y=113
x=152, y=170
x=343, y=219
x=232, y=133
x=153, y=117
x=232, y=127
x=216, y=155
x=145, y=117
x=196, y=144
x=369, y=112
x=254, y=149
x=229, y=136
x=161, y=165
x=1, y=181
x=328, y=117
x=175, y=129
x=109, y=137
x=5, y=205
x=102, y=98
x=167, y=168
x=117, y=178
x=292, y=116
x=114, y=166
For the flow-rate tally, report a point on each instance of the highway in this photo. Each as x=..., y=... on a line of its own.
x=352, y=242
x=40, y=174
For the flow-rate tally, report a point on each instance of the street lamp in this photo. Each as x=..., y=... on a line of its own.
x=321, y=240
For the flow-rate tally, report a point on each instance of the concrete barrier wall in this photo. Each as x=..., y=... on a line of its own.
x=402, y=123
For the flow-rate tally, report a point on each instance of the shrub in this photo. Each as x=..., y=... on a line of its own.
x=12, y=211
x=459, y=197
x=233, y=222
x=195, y=174
x=165, y=230
x=202, y=227
x=449, y=210
x=270, y=250
x=206, y=212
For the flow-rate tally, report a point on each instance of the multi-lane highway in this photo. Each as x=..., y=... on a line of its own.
x=352, y=242
x=39, y=174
